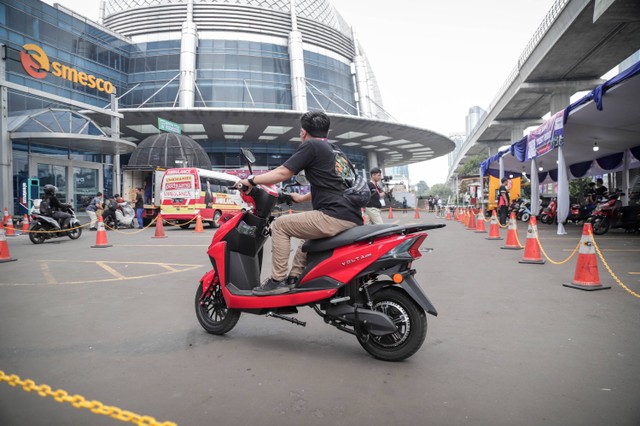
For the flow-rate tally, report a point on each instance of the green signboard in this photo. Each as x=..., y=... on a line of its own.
x=169, y=126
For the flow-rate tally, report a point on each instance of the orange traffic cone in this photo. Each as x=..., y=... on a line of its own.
x=101, y=235
x=11, y=232
x=471, y=225
x=25, y=224
x=159, y=228
x=6, y=216
x=199, y=227
x=531, y=247
x=586, y=276
x=448, y=214
x=512, y=235
x=390, y=213
x=417, y=215
x=480, y=226
x=5, y=256
x=494, y=230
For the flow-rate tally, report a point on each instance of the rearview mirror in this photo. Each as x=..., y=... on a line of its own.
x=248, y=155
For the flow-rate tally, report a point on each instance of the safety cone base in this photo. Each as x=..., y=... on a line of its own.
x=102, y=246
x=494, y=238
x=533, y=261
x=8, y=260
x=587, y=287
x=159, y=236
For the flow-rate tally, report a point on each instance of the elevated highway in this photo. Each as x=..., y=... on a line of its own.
x=577, y=43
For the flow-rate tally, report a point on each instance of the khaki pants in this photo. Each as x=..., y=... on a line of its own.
x=306, y=226
x=374, y=215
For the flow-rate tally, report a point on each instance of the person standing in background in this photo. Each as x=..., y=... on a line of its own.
x=503, y=201
x=377, y=198
x=94, y=209
x=139, y=206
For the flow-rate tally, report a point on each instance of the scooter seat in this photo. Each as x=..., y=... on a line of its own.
x=343, y=238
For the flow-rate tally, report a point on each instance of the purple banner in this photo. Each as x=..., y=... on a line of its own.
x=547, y=137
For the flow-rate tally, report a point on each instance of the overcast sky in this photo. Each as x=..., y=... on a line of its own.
x=433, y=60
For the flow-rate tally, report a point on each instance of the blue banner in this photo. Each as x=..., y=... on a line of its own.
x=547, y=137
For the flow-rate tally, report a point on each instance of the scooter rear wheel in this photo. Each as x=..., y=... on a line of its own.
x=212, y=312
x=410, y=320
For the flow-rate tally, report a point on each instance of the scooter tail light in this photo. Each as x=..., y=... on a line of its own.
x=414, y=250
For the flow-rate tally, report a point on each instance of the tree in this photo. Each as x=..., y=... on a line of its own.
x=472, y=166
x=422, y=188
x=440, y=189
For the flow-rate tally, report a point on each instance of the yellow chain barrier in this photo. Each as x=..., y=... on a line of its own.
x=518, y=240
x=547, y=256
x=606, y=265
x=139, y=230
x=79, y=401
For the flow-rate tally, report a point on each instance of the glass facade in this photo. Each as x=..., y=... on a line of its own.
x=229, y=74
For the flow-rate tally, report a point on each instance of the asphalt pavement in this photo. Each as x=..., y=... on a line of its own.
x=511, y=344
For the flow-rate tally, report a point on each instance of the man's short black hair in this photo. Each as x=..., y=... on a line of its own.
x=504, y=180
x=316, y=123
x=99, y=194
x=375, y=171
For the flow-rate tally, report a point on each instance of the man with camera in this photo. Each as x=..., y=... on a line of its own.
x=377, y=198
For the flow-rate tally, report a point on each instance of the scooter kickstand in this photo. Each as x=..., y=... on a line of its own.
x=286, y=318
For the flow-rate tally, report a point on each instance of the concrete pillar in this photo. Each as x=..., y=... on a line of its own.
x=559, y=101
x=6, y=177
x=115, y=134
x=296, y=59
x=188, y=48
x=372, y=157
x=517, y=131
x=362, y=82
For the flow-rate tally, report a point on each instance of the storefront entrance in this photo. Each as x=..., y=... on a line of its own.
x=77, y=181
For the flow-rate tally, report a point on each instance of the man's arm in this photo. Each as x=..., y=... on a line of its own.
x=277, y=175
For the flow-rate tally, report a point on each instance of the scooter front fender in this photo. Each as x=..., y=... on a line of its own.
x=413, y=289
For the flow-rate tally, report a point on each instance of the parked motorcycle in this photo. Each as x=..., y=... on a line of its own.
x=125, y=215
x=524, y=213
x=579, y=213
x=360, y=281
x=611, y=214
x=549, y=214
x=45, y=227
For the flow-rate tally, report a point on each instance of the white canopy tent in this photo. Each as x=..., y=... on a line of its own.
x=608, y=116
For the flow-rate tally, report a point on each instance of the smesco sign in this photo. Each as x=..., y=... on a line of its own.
x=36, y=63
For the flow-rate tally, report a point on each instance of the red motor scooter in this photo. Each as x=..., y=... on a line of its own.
x=548, y=215
x=361, y=281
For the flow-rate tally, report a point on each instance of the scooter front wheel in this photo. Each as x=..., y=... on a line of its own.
x=407, y=316
x=212, y=311
x=37, y=234
x=600, y=225
x=525, y=217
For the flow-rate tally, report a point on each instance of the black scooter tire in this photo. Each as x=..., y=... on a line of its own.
x=412, y=327
x=525, y=217
x=212, y=312
x=75, y=233
x=600, y=226
x=36, y=235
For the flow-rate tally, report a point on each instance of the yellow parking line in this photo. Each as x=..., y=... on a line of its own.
x=111, y=270
x=614, y=250
x=634, y=273
x=47, y=274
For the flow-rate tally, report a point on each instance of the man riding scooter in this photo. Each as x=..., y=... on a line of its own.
x=324, y=166
x=51, y=206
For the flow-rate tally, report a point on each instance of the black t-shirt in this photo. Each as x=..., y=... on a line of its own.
x=376, y=194
x=317, y=159
x=139, y=203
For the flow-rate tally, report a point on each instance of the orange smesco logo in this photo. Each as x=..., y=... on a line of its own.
x=36, y=63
